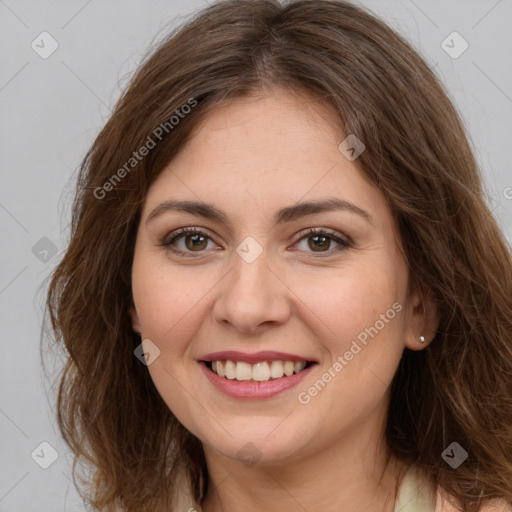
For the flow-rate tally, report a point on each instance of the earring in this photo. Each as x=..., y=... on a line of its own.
x=422, y=339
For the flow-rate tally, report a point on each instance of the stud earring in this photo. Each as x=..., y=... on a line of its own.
x=422, y=339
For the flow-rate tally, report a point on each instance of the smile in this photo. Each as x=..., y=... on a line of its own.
x=254, y=376
x=259, y=372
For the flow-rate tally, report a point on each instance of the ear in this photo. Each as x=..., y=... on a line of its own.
x=135, y=320
x=423, y=320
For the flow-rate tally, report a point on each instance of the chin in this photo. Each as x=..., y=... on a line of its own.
x=256, y=448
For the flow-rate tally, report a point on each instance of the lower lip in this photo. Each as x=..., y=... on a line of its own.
x=252, y=389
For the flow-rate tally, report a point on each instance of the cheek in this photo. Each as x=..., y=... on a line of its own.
x=347, y=301
x=170, y=305
x=168, y=300
x=358, y=317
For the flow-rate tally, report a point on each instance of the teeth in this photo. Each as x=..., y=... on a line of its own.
x=276, y=369
x=220, y=369
x=260, y=372
x=289, y=367
x=229, y=368
x=298, y=366
x=243, y=371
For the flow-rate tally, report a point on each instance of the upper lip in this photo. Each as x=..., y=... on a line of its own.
x=257, y=357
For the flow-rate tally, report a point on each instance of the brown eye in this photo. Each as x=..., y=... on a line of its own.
x=319, y=243
x=322, y=241
x=186, y=241
x=195, y=242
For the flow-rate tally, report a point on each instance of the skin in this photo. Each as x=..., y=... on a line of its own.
x=249, y=158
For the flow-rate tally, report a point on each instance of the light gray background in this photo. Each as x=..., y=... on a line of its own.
x=53, y=108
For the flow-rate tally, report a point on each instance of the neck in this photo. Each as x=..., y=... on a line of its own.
x=341, y=473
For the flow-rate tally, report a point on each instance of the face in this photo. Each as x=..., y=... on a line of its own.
x=266, y=284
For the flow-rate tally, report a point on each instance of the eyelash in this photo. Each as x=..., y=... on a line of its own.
x=168, y=242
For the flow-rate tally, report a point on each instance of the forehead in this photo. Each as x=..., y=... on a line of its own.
x=266, y=151
x=250, y=124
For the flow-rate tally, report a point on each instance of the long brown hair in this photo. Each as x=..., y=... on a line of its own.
x=458, y=389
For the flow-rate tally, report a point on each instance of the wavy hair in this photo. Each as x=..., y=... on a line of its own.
x=418, y=154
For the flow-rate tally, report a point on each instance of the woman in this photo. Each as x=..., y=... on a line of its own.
x=284, y=289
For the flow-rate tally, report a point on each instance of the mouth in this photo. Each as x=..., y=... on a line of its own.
x=259, y=375
x=262, y=371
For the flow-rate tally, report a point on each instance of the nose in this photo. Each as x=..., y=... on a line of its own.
x=253, y=297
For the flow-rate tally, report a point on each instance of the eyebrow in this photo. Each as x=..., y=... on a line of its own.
x=287, y=214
